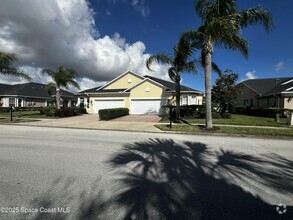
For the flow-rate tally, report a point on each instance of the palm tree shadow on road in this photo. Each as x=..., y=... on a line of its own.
x=161, y=179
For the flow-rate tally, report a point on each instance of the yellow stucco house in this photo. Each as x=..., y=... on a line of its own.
x=140, y=94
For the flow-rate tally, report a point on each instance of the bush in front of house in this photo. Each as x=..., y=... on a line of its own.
x=68, y=112
x=107, y=114
x=49, y=111
x=263, y=112
x=226, y=115
x=4, y=109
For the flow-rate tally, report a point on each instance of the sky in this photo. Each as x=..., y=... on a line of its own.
x=102, y=39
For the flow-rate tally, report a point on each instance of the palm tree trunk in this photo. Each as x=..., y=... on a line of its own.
x=58, y=97
x=177, y=89
x=208, y=50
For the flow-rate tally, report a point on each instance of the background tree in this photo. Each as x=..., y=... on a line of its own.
x=178, y=63
x=61, y=78
x=225, y=92
x=221, y=26
x=7, y=68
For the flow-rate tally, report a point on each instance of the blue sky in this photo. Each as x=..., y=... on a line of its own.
x=101, y=39
x=270, y=54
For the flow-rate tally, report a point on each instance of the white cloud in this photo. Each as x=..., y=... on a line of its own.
x=47, y=34
x=251, y=75
x=279, y=66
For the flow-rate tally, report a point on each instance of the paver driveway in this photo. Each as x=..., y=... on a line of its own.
x=91, y=121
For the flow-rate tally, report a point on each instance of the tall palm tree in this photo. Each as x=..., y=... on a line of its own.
x=178, y=63
x=222, y=23
x=6, y=67
x=61, y=78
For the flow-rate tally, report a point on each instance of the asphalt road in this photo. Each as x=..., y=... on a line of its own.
x=54, y=173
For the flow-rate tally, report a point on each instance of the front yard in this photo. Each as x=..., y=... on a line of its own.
x=238, y=119
x=24, y=114
x=229, y=130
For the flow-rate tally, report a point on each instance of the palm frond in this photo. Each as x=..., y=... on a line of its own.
x=160, y=58
x=216, y=69
x=237, y=43
x=190, y=67
x=173, y=74
x=258, y=15
x=194, y=37
x=6, y=67
x=74, y=83
x=49, y=87
x=48, y=71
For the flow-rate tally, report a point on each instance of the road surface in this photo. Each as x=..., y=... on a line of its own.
x=58, y=173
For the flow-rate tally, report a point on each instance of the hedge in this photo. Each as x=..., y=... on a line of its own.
x=48, y=111
x=263, y=112
x=107, y=114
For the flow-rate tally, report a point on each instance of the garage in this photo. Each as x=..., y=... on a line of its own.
x=108, y=103
x=147, y=106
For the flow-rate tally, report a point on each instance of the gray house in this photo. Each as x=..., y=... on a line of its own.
x=31, y=95
x=265, y=93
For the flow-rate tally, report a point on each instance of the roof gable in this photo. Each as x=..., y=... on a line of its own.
x=143, y=81
x=125, y=80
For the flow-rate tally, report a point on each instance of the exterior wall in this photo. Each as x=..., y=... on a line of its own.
x=271, y=102
x=140, y=91
x=247, y=98
x=200, y=99
x=127, y=81
x=288, y=103
x=35, y=102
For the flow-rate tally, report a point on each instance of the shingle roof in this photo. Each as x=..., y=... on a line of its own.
x=269, y=86
x=32, y=89
x=4, y=88
x=172, y=85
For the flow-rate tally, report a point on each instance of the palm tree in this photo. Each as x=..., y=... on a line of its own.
x=61, y=78
x=6, y=68
x=178, y=63
x=221, y=26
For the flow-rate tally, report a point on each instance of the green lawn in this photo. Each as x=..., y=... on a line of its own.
x=15, y=120
x=230, y=130
x=24, y=114
x=241, y=120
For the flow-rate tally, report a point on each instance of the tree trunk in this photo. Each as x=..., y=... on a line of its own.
x=177, y=88
x=208, y=50
x=58, y=97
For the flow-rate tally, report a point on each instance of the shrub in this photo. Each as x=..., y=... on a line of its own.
x=266, y=112
x=191, y=111
x=4, y=109
x=107, y=114
x=49, y=111
x=216, y=115
x=240, y=109
x=226, y=115
x=68, y=112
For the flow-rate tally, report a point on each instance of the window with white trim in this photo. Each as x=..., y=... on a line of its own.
x=12, y=102
x=184, y=100
x=193, y=100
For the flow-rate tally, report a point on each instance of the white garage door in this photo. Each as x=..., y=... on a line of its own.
x=108, y=103
x=147, y=106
